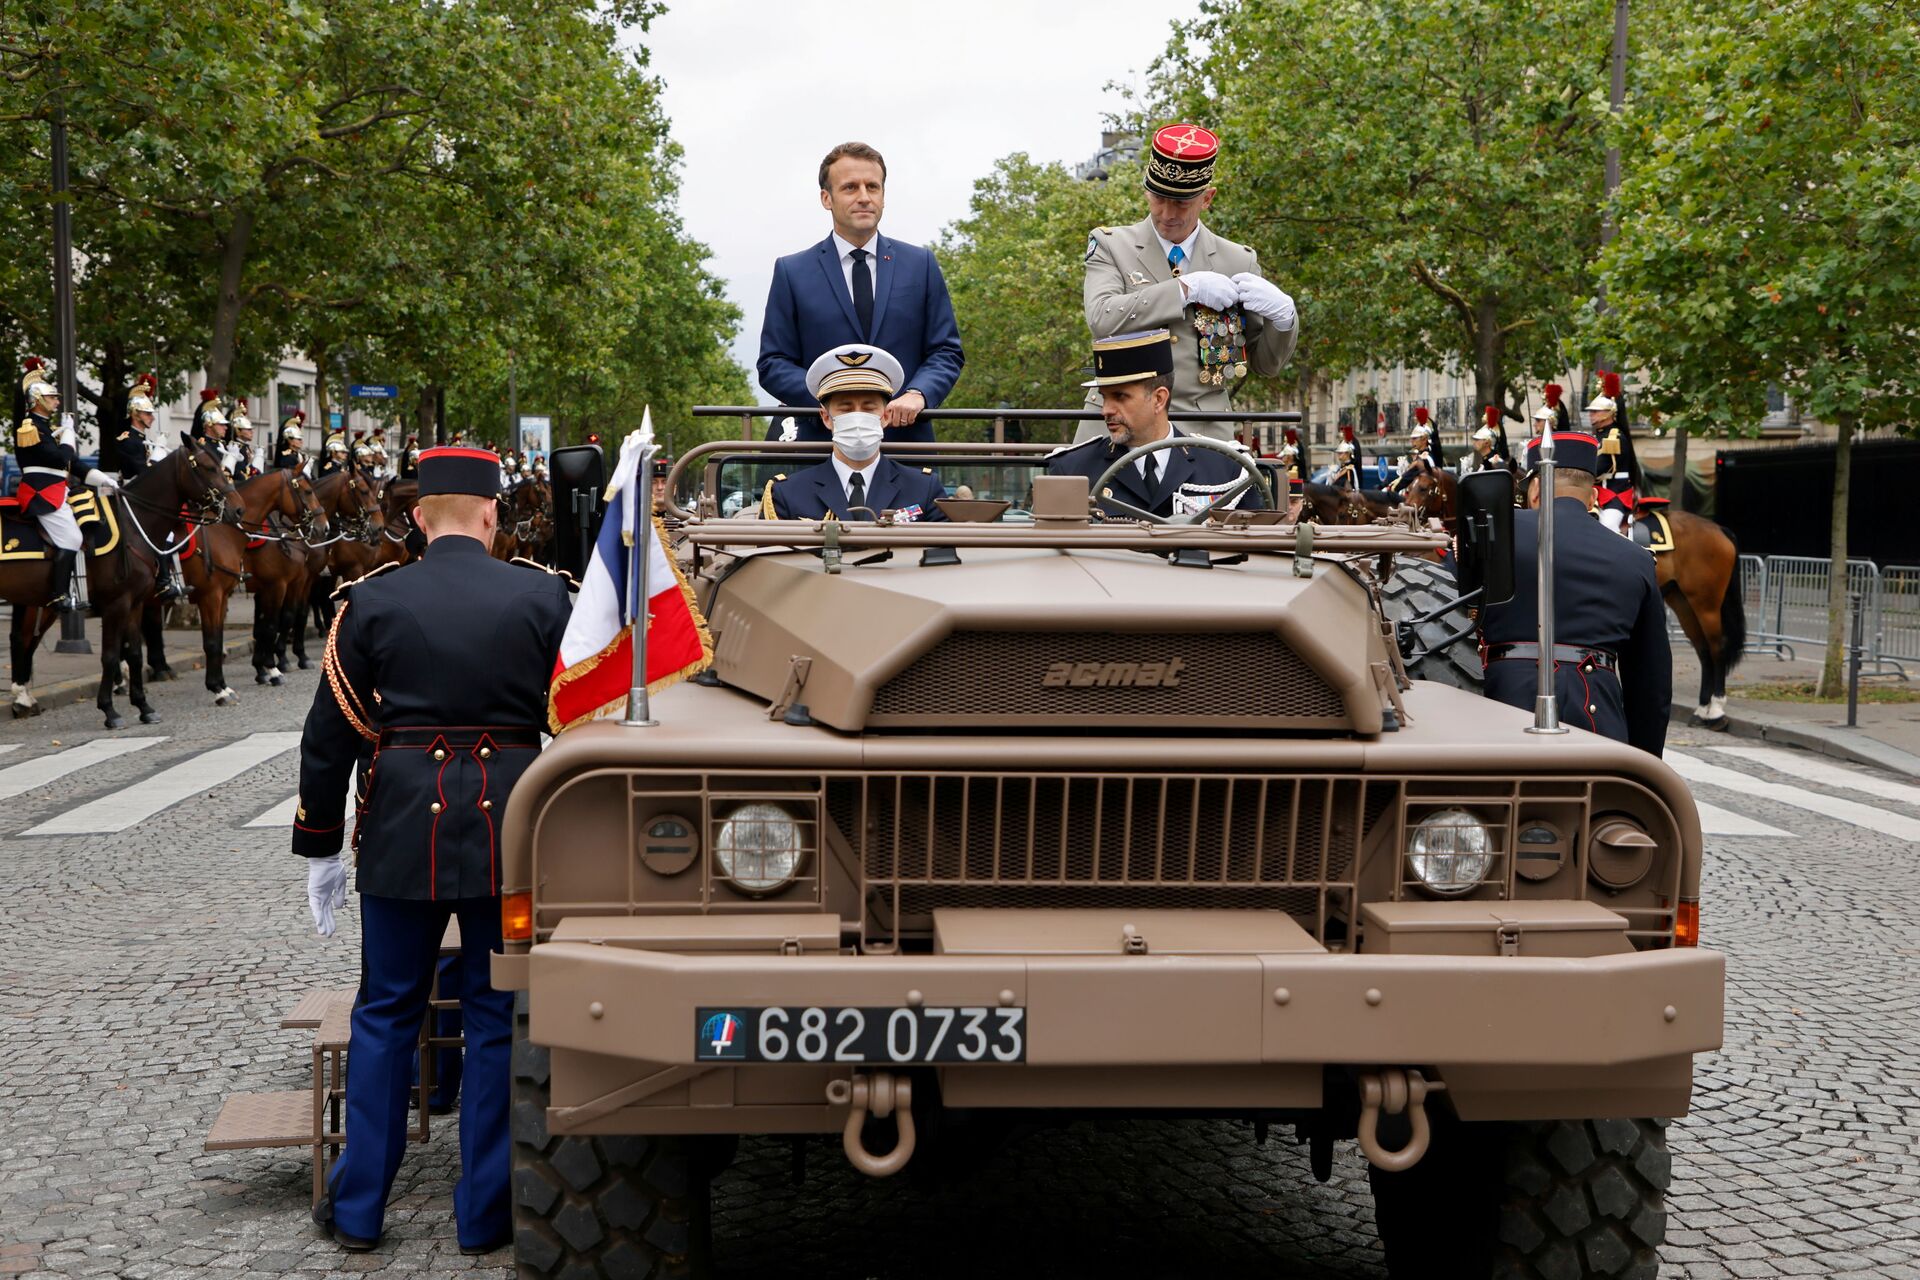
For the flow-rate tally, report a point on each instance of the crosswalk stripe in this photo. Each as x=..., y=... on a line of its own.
x=121, y=809
x=281, y=815
x=1811, y=768
x=1715, y=821
x=20, y=778
x=1694, y=769
x=8, y=746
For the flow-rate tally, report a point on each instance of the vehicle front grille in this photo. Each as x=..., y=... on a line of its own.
x=925, y=841
x=1002, y=677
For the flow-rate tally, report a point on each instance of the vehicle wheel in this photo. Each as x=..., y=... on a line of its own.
x=1416, y=588
x=627, y=1208
x=1554, y=1200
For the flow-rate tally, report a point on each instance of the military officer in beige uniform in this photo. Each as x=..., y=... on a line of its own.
x=1170, y=272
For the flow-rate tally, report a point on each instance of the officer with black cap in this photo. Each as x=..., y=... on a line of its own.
x=1133, y=374
x=435, y=676
x=1613, y=672
x=853, y=384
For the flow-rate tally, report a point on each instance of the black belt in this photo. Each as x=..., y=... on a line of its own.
x=1576, y=654
x=463, y=735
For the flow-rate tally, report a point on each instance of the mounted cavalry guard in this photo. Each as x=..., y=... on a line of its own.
x=1423, y=452
x=1484, y=453
x=1619, y=480
x=333, y=458
x=410, y=458
x=1170, y=272
x=48, y=462
x=1293, y=460
x=130, y=453
x=436, y=684
x=1134, y=374
x=288, y=455
x=377, y=455
x=1346, y=471
x=853, y=384
x=246, y=464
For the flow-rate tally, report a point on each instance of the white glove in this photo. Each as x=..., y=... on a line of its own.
x=1209, y=289
x=1265, y=300
x=326, y=891
x=101, y=480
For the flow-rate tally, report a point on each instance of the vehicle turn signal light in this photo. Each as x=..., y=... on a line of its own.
x=1686, y=925
x=516, y=917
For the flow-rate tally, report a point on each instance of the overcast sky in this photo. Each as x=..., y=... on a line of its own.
x=759, y=90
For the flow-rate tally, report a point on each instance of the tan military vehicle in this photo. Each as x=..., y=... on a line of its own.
x=1054, y=815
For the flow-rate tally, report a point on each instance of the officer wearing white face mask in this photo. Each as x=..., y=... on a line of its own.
x=853, y=384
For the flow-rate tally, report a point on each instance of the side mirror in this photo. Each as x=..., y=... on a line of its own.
x=1485, y=552
x=578, y=474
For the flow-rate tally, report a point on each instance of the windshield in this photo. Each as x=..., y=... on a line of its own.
x=743, y=478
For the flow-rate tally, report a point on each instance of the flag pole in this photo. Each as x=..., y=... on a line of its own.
x=640, y=544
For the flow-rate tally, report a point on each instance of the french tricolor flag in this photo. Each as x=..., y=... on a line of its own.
x=594, y=671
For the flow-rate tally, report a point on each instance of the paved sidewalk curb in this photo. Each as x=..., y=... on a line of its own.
x=1829, y=740
x=84, y=688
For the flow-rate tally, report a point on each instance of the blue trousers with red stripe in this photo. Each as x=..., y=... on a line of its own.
x=1588, y=699
x=399, y=945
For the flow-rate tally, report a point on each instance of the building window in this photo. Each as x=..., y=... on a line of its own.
x=292, y=396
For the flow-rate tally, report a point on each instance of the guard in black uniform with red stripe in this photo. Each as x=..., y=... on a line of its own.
x=1613, y=672
x=435, y=677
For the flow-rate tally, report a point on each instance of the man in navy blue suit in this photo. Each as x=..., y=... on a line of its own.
x=858, y=286
x=853, y=384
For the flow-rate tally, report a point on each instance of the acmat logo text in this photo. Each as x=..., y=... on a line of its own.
x=1083, y=675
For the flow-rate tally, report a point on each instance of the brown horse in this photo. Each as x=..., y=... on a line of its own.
x=1699, y=579
x=403, y=540
x=526, y=521
x=280, y=565
x=1325, y=504
x=188, y=485
x=352, y=506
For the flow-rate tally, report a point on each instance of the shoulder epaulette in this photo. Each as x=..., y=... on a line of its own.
x=1105, y=231
x=374, y=572
x=927, y=470
x=547, y=568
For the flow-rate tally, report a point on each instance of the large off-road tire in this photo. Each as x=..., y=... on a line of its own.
x=627, y=1208
x=1553, y=1200
x=1416, y=588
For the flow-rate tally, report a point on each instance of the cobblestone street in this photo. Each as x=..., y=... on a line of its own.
x=143, y=972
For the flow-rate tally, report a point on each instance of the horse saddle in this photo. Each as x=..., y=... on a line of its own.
x=21, y=539
x=1651, y=529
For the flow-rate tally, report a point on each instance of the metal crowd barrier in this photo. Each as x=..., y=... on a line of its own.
x=1786, y=604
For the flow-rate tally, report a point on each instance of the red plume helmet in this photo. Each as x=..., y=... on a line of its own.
x=209, y=393
x=149, y=382
x=1293, y=435
x=1610, y=384
x=1553, y=390
x=1346, y=433
x=33, y=362
x=1493, y=417
x=1420, y=414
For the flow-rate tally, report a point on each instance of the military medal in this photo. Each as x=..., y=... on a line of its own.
x=1223, y=344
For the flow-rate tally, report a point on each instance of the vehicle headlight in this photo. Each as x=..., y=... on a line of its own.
x=759, y=847
x=1449, y=852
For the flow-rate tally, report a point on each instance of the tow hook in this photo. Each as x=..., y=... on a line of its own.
x=881, y=1094
x=1394, y=1090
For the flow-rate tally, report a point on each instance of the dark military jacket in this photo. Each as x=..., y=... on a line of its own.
x=1189, y=480
x=810, y=493
x=1606, y=596
x=35, y=445
x=287, y=458
x=125, y=454
x=445, y=663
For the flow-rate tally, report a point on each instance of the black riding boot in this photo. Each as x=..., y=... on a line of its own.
x=65, y=598
x=172, y=588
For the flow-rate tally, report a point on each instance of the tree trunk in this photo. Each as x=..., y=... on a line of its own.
x=114, y=377
x=322, y=407
x=1490, y=369
x=1677, y=487
x=1833, y=671
x=423, y=415
x=226, y=310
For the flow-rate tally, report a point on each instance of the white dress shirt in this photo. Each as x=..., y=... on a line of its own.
x=845, y=249
x=846, y=474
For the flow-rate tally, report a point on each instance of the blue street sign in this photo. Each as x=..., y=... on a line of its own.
x=373, y=391
x=333, y=419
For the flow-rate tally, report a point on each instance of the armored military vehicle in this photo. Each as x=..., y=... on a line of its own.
x=1035, y=811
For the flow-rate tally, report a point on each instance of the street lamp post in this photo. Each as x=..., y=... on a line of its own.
x=73, y=625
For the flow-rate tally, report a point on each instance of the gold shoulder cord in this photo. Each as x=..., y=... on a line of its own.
x=343, y=694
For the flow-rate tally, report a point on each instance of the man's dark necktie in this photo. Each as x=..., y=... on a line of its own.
x=1152, y=473
x=863, y=292
x=856, y=488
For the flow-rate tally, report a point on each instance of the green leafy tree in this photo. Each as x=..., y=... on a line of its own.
x=1425, y=179
x=1014, y=267
x=1770, y=226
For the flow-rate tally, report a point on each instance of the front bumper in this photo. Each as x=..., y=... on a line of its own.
x=1459, y=1012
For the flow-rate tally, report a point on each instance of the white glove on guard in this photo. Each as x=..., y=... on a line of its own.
x=1210, y=289
x=326, y=891
x=101, y=480
x=1264, y=300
